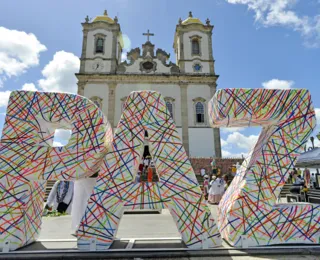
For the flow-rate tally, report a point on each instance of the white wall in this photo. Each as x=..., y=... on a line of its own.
x=107, y=44
x=98, y=90
x=178, y=54
x=201, y=142
x=195, y=91
x=173, y=91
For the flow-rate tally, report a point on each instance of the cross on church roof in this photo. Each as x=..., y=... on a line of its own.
x=148, y=34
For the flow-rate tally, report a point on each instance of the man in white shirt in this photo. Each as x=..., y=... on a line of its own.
x=60, y=197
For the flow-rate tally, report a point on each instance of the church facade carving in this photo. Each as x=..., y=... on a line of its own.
x=104, y=76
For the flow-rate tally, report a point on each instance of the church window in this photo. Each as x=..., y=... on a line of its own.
x=197, y=67
x=99, y=45
x=199, y=112
x=195, y=47
x=170, y=108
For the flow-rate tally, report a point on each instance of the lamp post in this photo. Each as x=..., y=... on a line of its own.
x=312, y=143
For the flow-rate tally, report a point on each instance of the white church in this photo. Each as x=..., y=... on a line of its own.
x=187, y=85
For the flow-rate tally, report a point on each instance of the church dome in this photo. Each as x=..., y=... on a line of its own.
x=104, y=18
x=191, y=20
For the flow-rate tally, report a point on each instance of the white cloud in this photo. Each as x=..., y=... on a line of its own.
x=18, y=52
x=123, y=56
x=57, y=144
x=59, y=73
x=62, y=134
x=281, y=13
x=278, y=84
x=4, y=95
x=29, y=87
x=241, y=141
x=223, y=142
x=4, y=98
x=232, y=129
x=227, y=154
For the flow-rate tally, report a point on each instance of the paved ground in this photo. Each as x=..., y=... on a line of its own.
x=131, y=226
x=56, y=234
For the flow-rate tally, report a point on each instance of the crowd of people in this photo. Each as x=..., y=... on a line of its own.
x=297, y=176
x=301, y=180
x=69, y=197
x=145, y=170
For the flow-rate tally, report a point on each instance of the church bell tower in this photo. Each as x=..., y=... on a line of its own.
x=193, y=46
x=102, y=45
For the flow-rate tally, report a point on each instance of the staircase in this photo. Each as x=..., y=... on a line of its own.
x=48, y=189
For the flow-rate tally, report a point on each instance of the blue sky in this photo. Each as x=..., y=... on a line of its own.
x=256, y=44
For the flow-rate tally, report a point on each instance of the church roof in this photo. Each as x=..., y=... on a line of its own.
x=191, y=20
x=104, y=18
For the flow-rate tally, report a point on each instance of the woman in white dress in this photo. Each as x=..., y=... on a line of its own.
x=216, y=190
x=83, y=189
x=213, y=190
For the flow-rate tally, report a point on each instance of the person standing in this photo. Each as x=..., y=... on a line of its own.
x=290, y=179
x=60, y=197
x=306, y=175
x=313, y=180
x=150, y=173
x=206, y=187
x=233, y=170
x=146, y=164
x=215, y=190
x=140, y=171
x=213, y=167
x=299, y=172
x=226, y=182
x=202, y=172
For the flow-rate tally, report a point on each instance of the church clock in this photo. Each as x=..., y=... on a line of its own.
x=97, y=66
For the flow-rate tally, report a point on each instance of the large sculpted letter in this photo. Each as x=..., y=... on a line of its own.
x=248, y=215
x=177, y=189
x=26, y=154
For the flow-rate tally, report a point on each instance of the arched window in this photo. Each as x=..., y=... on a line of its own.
x=170, y=108
x=99, y=45
x=195, y=47
x=199, y=112
x=170, y=105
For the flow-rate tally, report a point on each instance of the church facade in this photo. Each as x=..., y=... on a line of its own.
x=187, y=85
